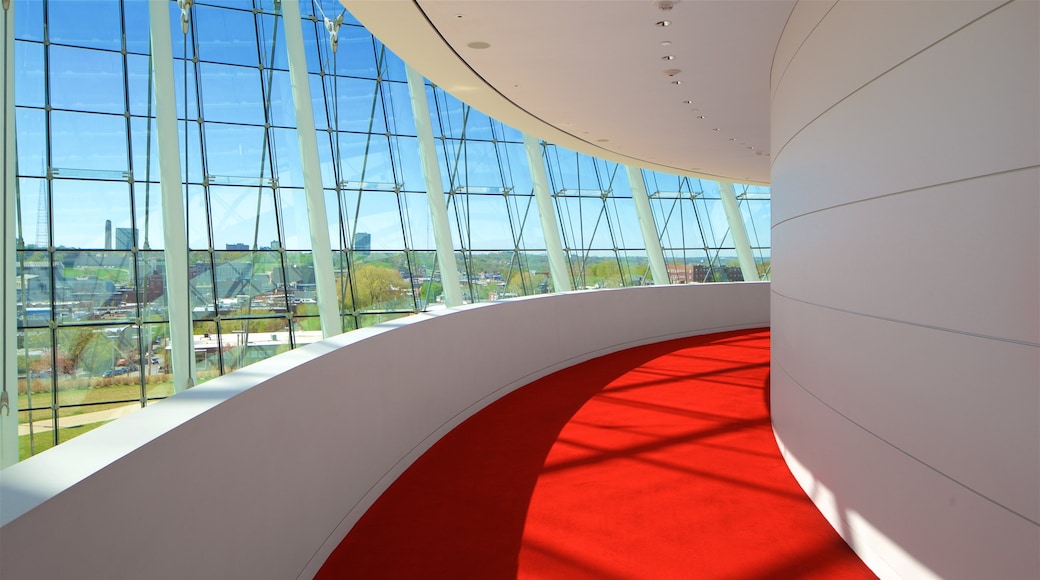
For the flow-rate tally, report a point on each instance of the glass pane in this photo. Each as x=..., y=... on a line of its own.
x=29, y=74
x=139, y=85
x=207, y=350
x=135, y=15
x=101, y=281
x=294, y=219
x=231, y=94
x=65, y=24
x=244, y=216
x=86, y=80
x=151, y=290
x=88, y=141
x=159, y=380
x=145, y=138
x=31, y=135
x=29, y=23
x=92, y=214
x=237, y=154
x=226, y=36
x=33, y=288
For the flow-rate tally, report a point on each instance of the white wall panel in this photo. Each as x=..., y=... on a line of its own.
x=953, y=401
x=955, y=111
x=906, y=281
x=928, y=526
x=951, y=256
x=803, y=19
x=844, y=49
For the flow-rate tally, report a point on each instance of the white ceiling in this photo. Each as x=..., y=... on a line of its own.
x=591, y=74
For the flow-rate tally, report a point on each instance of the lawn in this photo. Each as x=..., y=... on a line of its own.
x=45, y=439
x=78, y=401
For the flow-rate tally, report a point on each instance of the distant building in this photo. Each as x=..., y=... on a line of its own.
x=125, y=238
x=237, y=247
x=689, y=273
x=292, y=275
x=362, y=243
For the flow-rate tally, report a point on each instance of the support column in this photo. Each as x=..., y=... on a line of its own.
x=321, y=248
x=651, y=239
x=738, y=232
x=9, y=394
x=175, y=239
x=434, y=189
x=550, y=229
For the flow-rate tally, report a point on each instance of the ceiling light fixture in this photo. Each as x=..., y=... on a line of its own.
x=666, y=43
x=700, y=116
x=672, y=72
x=663, y=23
x=688, y=102
x=668, y=57
x=716, y=129
x=676, y=82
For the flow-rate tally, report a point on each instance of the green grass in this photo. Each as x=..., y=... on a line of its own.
x=127, y=392
x=45, y=439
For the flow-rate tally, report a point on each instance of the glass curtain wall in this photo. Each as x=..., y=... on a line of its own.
x=491, y=204
x=92, y=316
x=93, y=322
x=597, y=217
x=374, y=186
x=695, y=234
x=250, y=271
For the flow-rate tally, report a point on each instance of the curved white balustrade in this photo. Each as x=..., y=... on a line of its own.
x=260, y=473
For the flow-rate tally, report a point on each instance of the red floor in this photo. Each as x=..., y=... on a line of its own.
x=655, y=462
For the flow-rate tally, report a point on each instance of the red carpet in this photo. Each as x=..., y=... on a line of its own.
x=655, y=462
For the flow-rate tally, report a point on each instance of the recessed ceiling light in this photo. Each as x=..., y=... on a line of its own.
x=479, y=45
x=666, y=43
x=668, y=57
x=676, y=82
x=716, y=129
x=700, y=116
x=732, y=139
x=663, y=23
x=750, y=147
x=688, y=102
x=672, y=72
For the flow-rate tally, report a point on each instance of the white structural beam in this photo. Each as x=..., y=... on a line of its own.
x=434, y=189
x=553, y=246
x=651, y=239
x=175, y=240
x=9, y=395
x=321, y=249
x=738, y=232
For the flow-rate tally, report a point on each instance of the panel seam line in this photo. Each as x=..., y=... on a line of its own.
x=903, y=451
x=910, y=323
x=906, y=191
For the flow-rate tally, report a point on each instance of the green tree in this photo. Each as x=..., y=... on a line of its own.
x=376, y=285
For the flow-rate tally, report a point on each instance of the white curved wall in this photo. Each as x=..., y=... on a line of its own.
x=906, y=279
x=261, y=473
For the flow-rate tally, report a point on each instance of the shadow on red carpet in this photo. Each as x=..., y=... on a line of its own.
x=654, y=462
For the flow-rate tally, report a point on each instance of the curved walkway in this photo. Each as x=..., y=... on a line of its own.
x=655, y=462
